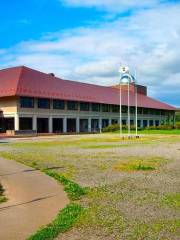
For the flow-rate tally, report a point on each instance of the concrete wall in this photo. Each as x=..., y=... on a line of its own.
x=8, y=105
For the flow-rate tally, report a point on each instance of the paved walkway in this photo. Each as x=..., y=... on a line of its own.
x=34, y=200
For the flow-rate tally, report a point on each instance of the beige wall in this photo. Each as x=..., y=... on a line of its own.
x=8, y=105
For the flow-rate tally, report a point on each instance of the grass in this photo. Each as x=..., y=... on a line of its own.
x=74, y=191
x=63, y=222
x=139, y=164
x=164, y=132
x=172, y=200
x=68, y=216
x=2, y=197
x=126, y=192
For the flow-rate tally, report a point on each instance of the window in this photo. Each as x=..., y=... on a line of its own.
x=124, y=109
x=132, y=110
x=114, y=121
x=58, y=104
x=157, y=123
x=105, y=108
x=151, y=123
x=72, y=105
x=140, y=110
x=26, y=102
x=115, y=108
x=25, y=123
x=43, y=103
x=145, y=111
x=84, y=106
x=157, y=112
x=95, y=107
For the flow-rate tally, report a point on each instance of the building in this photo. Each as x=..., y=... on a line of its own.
x=34, y=101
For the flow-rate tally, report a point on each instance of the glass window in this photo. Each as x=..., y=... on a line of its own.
x=132, y=110
x=84, y=106
x=105, y=108
x=26, y=102
x=95, y=107
x=43, y=103
x=145, y=111
x=72, y=105
x=58, y=104
x=140, y=110
x=115, y=108
x=157, y=112
x=124, y=109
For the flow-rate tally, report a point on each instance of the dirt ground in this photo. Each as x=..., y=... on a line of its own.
x=134, y=184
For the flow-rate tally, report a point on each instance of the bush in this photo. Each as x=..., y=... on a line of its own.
x=161, y=127
x=116, y=127
x=177, y=125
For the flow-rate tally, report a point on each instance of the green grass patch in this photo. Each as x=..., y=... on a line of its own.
x=63, y=222
x=155, y=230
x=2, y=197
x=172, y=200
x=74, y=191
x=146, y=131
x=139, y=164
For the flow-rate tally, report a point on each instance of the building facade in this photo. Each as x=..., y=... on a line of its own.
x=34, y=101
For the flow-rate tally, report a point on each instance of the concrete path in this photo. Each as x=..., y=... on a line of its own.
x=34, y=200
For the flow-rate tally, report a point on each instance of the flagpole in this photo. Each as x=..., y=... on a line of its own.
x=129, y=121
x=136, y=99
x=120, y=108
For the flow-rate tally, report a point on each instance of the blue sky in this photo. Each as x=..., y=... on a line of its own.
x=88, y=40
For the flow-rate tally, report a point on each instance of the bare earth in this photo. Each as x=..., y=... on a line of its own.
x=34, y=199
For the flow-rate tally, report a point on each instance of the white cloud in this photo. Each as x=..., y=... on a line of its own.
x=149, y=40
x=112, y=5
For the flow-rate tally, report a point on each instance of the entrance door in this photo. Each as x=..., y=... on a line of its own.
x=83, y=125
x=145, y=123
x=71, y=125
x=9, y=123
x=95, y=125
x=57, y=125
x=42, y=125
x=105, y=123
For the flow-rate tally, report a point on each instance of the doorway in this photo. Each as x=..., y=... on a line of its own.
x=42, y=125
x=57, y=125
x=71, y=125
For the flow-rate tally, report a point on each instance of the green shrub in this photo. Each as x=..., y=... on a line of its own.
x=160, y=127
x=178, y=125
x=116, y=127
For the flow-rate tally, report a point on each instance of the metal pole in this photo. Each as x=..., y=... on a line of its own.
x=136, y=97
x=120, y=109
x=129, y=121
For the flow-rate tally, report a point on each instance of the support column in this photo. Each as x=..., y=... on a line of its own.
x=89, y=124
x=16, y=122
x=148, y=123
x=100, y=124
x=110, y=121
x=77, y=125
x=64, y=125
x=141, y=124
x=34, y=127
x=50, y=124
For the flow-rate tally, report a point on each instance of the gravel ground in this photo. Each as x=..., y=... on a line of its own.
x=122, y=204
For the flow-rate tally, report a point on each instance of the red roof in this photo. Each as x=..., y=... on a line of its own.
x=23, y=81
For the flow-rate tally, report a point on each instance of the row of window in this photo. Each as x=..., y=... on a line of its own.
x=44, y=103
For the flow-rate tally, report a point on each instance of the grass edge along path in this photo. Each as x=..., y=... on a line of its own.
x=68, y=215
x=2, y=197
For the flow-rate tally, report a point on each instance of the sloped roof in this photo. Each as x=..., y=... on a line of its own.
x=23, y=81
